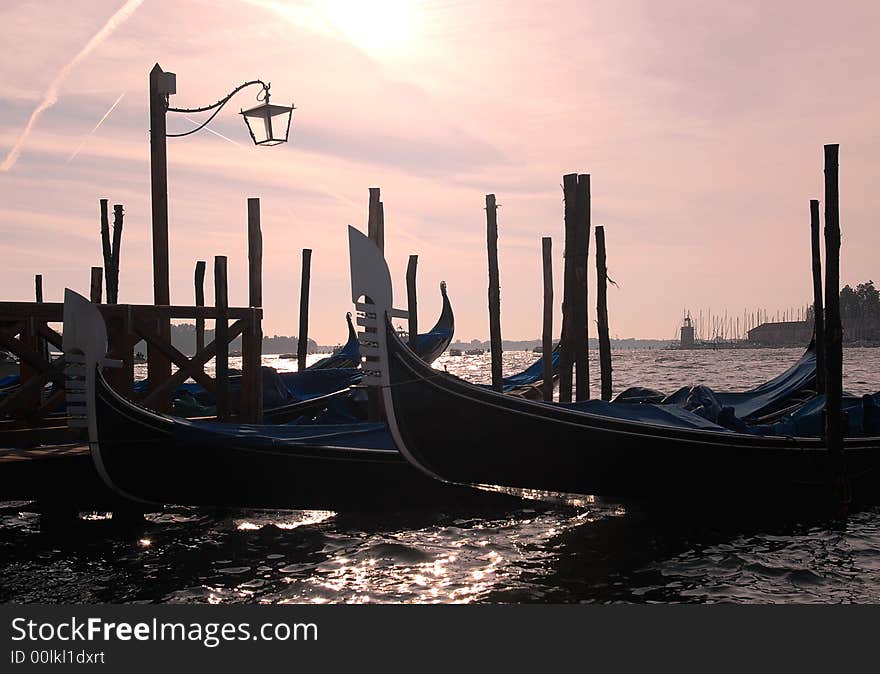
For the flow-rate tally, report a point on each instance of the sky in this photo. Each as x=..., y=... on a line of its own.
x=701, y=124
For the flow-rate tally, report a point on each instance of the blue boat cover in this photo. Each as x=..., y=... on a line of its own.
x=357, y=436
x=763, y=398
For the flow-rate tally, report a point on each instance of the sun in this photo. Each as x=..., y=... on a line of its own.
x=373, y=25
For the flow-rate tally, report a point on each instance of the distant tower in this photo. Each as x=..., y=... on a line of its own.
x=687, y=332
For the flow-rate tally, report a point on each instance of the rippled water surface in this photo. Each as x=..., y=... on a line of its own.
x=532, y=552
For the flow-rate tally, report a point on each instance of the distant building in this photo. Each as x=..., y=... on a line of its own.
x=687, y=333
x=788, y=333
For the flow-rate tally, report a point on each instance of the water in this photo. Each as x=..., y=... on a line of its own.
x=583, y=552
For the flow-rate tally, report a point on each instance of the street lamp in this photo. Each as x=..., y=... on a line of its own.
x=267, y=126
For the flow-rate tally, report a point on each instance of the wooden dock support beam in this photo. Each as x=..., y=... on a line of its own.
x=95, y=289
x=199, y=281
x=221, y=337
x=495, y=346
x=38, y=287
x=834, y=421
x=602, y=313
x=547, y=333
x=302, y=340
x=818, y=305
x=412, y=305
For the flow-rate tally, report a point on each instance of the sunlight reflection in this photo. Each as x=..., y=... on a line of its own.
x=290, y=520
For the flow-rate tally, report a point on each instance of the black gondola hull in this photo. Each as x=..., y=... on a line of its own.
x=143, y=459
x=507, y=441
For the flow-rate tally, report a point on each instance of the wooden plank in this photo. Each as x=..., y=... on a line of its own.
x=412, y=304
x=547, y=334
x=53, y=312
x=302, y=344
x=198, y=362
x=167, y=349
x=221, y=337
x=494, y=291
x=818, y=304
x=602, y=313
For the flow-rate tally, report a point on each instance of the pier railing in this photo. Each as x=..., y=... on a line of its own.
x=26, y=331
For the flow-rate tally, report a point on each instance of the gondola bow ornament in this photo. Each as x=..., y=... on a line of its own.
x=371, y=282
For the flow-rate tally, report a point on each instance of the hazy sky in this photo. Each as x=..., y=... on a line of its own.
x=702, y=124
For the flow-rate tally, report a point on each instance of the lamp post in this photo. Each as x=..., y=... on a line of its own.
x=267, y=126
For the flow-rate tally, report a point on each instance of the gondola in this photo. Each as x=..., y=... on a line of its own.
x=151, y=458
x=628, y=452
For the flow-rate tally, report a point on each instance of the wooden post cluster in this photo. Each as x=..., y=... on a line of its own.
x=566, y=348
x=495, y=345
x=547, y=333
x=574, y=351
x=412, y=306
x=818, y=304
x=834, y=421
x=110, y=248
x=199, y=281
x=602, y=313
x=302, y=340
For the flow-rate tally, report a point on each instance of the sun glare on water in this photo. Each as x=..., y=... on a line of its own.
x=373, y=25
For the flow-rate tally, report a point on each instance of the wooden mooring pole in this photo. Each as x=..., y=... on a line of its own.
x=221, y=337
x=252, y=339
x=494, y=291
x=581, y=320
x=376, y=233
x=412, y=306
x=547, y=333
x=95, y=290
x=113, y=282
x=834, y=420
x=38, y=296
x=302, y=340
x=199, y=280
x=566, y=350
x=818, y=305
x=602, y=313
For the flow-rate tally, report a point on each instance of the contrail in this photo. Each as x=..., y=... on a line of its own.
x=216, y=133
x=51, y=95
x=100, y=121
